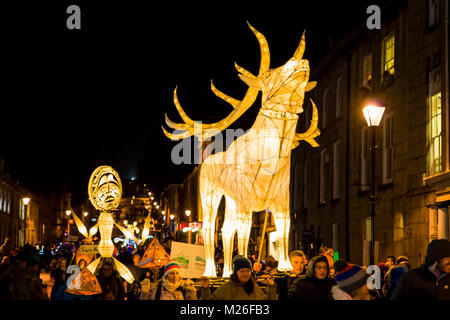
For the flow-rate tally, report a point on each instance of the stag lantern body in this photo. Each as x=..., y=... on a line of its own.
x=253, y=173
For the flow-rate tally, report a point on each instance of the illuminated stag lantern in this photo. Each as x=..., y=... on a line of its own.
x=105, y=192
x=253, y=173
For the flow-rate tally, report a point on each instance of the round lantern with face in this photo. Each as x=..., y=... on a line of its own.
x=105, y=188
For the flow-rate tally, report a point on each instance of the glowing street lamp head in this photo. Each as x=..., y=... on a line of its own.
x=172, y=216
x=188, y=212
x=373, y=115
x=155, y=203
x=68, y=212
x=85, y=213
x=26, y=200
x=125, y=221
x=157, y=207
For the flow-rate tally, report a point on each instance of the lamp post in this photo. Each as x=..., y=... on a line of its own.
x=188, y=214
x=373, y=114
x=68, y=212
x=25, y=201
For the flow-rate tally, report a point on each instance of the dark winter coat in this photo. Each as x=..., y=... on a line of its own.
x=309, y=287
x=113, y=284
x=284, y=283
x=421, y=284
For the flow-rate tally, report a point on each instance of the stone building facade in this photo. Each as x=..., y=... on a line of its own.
x=405, y=66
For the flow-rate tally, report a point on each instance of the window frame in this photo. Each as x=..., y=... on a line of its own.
x=384, y=54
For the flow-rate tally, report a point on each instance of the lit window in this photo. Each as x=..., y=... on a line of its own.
x=434, y=124
x=389, y=54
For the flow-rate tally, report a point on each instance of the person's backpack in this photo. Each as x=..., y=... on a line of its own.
x=159, y=288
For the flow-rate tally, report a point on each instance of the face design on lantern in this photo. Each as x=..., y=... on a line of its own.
x=105, y=188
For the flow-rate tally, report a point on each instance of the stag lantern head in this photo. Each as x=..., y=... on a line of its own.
x=283, y=89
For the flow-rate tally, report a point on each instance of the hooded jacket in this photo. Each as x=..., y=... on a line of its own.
x=309, y=287
x=421, y=283
x=232, y=290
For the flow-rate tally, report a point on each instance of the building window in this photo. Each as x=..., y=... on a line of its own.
x=388, y=54
x=388, y=150
x=8, y=208
x=364, y=158
x=305, y=185
x=324, y=108
x=434, y=124
x=367, y=70
x=322, y=176
x=433, y=12
x=338, y=97
x=336, y=168
x=21, y=210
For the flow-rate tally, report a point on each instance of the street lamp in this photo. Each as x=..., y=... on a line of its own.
x=188, y=213
x=85, y=213
x=373, y=113
x=68, y=212
x=26, y=201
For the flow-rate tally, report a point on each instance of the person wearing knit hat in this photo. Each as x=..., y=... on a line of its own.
x=315, y=285
x=351, y=282
x=241, y=286
x=172, y=286
x=431, y=281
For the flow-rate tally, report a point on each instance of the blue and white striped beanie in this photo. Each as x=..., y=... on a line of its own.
x=349, y=277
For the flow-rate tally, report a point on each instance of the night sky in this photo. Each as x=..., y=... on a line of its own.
x=73, y=100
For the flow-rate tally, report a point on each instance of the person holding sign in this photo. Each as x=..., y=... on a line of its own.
x=241, y=286
x=172, y=286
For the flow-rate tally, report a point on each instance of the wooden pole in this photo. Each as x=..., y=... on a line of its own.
x=263, y=235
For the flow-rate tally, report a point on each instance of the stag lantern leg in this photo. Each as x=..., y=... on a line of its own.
x=244, y=225
x=282, y=223
x=228, y=232
x=210, y=205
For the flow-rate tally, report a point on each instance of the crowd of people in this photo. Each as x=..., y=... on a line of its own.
x=26, y=274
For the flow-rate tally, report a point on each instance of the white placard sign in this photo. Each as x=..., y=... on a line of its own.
x=190, y=257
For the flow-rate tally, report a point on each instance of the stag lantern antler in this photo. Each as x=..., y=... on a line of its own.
x=190, y=127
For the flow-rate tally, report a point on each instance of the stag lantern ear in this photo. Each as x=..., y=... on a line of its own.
x=311, y=85
x=301, y=48
x=251, y=82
